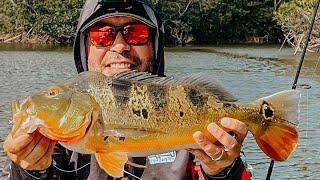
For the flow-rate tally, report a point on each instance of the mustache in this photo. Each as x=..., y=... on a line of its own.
x=125, y=54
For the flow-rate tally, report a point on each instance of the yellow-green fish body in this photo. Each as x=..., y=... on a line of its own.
x=138, y=114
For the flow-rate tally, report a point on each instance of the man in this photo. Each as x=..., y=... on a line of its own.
x=113, y=37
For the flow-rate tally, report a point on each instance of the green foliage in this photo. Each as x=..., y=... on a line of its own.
x=197, y=21
x=295, y=16
x=54, y=18
x=216, y=21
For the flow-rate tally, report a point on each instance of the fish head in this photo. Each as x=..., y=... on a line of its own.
x=59, y=113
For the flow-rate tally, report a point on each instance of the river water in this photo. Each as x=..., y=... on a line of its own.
x=248, y=72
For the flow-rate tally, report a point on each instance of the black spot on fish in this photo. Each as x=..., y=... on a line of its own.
x=196, y=98
x=138, y=113
x=122, y=138
x=266, y=111
x=145, y=113
x=181, y=114
x=106, y=138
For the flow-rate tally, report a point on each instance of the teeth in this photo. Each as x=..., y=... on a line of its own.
x=120, y=65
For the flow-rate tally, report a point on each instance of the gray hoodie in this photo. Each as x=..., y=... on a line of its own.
x=95, y=10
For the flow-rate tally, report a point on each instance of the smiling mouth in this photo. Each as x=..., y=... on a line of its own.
x=121, y=66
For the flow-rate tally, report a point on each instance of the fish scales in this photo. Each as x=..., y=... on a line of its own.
x=186, y=109
x=138, y=114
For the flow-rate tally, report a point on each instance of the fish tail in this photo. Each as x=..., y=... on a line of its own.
x=278, y=139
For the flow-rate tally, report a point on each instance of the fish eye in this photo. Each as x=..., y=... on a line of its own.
x=54, y=90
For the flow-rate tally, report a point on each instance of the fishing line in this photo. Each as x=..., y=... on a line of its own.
x=294, y=86
x=70, y=171
x=31, y=174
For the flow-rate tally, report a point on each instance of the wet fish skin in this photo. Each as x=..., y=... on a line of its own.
x=117, y=117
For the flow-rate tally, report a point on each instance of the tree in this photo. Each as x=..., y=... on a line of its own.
x=295, y=18
x=45, y=19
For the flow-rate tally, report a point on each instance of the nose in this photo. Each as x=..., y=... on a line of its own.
x=119, y=45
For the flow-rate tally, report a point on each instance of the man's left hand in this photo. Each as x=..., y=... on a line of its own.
x=215, y=158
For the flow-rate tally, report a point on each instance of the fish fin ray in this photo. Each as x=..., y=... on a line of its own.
x=112, y=163
x=195, y=81
x=278, y=141
x=199, y=81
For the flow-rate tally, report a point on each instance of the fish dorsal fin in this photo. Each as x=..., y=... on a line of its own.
x=143, y=77
x=112, y=163
x=195, y=81
x=199, y=81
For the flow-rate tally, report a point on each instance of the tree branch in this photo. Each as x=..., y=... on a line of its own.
x=185, y=10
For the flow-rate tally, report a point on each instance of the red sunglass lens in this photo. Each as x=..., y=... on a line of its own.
x=102, y=36
x=136, y=33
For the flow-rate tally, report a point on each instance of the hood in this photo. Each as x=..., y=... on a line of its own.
x=142, y=10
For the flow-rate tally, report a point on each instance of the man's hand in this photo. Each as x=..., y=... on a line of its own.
x=215, y=158
x=29, y=151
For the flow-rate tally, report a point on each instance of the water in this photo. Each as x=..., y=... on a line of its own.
x=248, y=72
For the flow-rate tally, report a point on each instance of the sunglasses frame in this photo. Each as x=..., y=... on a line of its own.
x=121, y=29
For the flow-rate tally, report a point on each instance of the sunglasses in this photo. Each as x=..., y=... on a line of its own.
x=133, y=34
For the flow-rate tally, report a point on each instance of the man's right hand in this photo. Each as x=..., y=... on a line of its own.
x=29, y=151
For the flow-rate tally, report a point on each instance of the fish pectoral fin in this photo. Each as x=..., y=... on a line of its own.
x=112, y=163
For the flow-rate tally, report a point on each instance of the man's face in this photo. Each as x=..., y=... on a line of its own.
x=119, y=56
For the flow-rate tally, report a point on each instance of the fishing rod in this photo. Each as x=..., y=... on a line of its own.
x=294, y=85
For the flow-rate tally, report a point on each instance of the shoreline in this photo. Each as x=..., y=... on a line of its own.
x=25, y=38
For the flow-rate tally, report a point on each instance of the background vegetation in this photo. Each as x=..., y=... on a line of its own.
x=40, y=21
x=219, y=21
x=295, y=17
x=186, y=21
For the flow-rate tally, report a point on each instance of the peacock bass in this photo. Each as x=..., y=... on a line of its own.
x=136, y=114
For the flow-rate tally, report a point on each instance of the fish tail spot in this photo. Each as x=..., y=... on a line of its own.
x=267, y=111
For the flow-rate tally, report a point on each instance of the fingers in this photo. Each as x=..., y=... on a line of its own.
x=38, y=152
x=28, y=149
x=215, y=156
x=17, y=143
x=222, y=136
x=208, y=147
x=206, y=152
x=235, y=126
x=201, y=155
x=34, y=155
x=46, y=160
